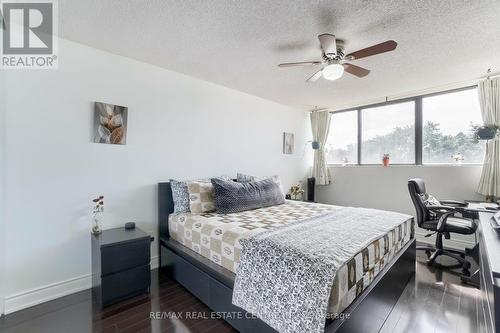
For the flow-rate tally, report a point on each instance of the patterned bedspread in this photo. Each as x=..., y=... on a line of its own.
x=219, y=238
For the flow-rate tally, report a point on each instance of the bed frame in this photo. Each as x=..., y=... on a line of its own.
x=213, y=284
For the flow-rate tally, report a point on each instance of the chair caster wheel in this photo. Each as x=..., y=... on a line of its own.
x=428, y=253
x=466, y=266
x=465, y=272
x=430, y=262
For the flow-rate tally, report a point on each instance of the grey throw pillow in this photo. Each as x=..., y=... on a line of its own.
x=232, y=197
x=244, y=178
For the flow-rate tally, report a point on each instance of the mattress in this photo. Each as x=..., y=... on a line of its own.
x=218, y=237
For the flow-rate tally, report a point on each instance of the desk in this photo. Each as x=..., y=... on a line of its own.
x=489, y=273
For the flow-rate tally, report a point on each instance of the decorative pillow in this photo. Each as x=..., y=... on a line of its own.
x=243, y=178
x=180, y=193
x=201, y=197
x=431, y=201
x=233, y=197
x=180, y=196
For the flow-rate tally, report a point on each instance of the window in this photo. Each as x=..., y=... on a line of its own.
x=447, y=120
x=341, y=146
x=388, y=129
x=430, y=129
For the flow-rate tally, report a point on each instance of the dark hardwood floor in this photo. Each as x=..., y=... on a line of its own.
x=435, y=301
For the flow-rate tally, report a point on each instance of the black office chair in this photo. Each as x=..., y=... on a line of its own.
x=440, y=217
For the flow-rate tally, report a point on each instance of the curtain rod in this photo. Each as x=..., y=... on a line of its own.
x=421, y=92
x=457, y=85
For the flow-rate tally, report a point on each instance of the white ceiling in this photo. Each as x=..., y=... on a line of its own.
x=238, y=43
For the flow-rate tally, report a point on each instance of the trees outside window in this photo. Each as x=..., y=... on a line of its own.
x=444, y=127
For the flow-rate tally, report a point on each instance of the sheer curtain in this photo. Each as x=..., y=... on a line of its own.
x=320, y=125
x=489, y=100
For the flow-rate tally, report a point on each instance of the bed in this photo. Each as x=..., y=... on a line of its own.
x=202, y=252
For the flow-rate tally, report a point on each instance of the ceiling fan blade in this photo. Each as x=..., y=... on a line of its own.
x=302, y=63
x=315, y=76
x=328, y=44
x=373, y=50
x=356, y=70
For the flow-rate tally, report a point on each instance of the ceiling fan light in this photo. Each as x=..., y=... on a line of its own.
x=333, y=71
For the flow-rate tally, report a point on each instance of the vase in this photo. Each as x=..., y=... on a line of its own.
x=97, y=223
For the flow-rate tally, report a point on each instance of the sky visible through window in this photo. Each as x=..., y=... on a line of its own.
x=447, y=120
x=388, y=129
x=342, y=138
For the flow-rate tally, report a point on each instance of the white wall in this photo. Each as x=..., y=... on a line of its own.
x=2, y=159
x=386, y=188
x=178, y=127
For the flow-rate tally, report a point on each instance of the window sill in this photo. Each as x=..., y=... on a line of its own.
x=405, y=165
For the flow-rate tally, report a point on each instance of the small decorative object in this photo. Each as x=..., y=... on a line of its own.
x=458, y=158
x=97, y=214
x=295, y=191
x=487, y=132
x=345, y=161
x=110, y=123
x=315, y=145
x=386, y=159
x=288, y=143
x=130, y=225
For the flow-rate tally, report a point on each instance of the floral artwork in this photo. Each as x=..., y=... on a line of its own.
x=295, y=191
x=110, y=123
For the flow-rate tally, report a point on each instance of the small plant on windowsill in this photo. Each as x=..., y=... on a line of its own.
x=486, y=132
x=458, y=158
x=97, y=213
x=386, y=159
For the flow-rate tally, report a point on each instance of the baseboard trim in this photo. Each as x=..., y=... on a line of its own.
x=155, y=262
x=49, y=292
x=46, y=293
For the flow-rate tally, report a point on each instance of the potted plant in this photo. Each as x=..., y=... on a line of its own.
x=386, y=159
x=458, y=158
x=486, y=132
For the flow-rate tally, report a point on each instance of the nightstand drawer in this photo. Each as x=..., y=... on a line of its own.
x=120, y=257
x=121, y=285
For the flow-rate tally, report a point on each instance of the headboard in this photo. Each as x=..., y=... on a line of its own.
x=165, y=208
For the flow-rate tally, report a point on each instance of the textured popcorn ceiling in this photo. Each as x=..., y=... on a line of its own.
x=238, y=43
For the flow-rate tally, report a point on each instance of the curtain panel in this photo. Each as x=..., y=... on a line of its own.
x=320, y=125
x=489, y=100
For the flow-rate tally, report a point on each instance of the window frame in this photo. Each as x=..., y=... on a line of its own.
x=418, y=126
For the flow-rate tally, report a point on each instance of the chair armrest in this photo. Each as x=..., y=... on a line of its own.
x=442, y=221
x=453, y=203
x=442, y=209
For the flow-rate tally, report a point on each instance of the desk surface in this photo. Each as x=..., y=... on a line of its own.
x=491, y=242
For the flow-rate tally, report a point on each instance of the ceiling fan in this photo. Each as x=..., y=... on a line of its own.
x=335, y=60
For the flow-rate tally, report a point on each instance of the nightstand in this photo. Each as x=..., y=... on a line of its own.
x=120, y=265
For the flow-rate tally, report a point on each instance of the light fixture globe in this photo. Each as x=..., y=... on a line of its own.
x=333, y=71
